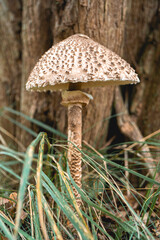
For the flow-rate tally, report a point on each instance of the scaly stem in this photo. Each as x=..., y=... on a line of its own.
x=75, y=100
x=75, y=141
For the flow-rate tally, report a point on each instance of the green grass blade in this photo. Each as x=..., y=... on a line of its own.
x=37, y=228
x=39, y=188
x=97, y=226
x=8, y=154
x=69, y=189
x=7, y=169
x=51, y=220
x=55, y=194
x=38, y=123
x=92, y=225
x=138, y=220
x=22, y=126
x=5, y=230
x=7, y=149
x=12, y=226
x=118, y=166
x=24, y=177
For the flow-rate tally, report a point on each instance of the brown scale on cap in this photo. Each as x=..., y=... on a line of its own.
x=76, y=57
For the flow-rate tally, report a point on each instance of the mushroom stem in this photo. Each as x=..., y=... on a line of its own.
x=75, y=100
x=74, y=145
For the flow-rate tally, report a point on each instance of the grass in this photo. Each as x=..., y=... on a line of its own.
x=120, y=201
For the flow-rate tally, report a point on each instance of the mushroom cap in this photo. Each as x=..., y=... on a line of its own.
x=79, y=60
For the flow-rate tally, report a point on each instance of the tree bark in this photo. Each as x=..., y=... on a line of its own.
x=10, y=60
x=28, y=28
x=150, y=114
x=103, y=21
x=143, y=51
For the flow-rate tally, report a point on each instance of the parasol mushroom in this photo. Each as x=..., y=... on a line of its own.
x=71, y=65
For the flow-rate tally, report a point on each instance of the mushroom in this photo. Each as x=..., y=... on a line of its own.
x=71, y=65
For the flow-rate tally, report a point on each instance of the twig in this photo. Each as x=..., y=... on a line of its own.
x=129, y=128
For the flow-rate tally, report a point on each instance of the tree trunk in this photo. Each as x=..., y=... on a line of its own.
x=103, y=21
x=143, y=50
x=10, y=61
x=28, y=28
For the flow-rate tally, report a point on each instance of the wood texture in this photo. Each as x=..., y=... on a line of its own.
x=143, y=50
x=104, y=21
x=130, y=129
x=29, y=28
x=10, y=59
x=37, y=38
x=150, y=114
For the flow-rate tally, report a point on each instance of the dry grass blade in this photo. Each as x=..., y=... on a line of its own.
x=130, y=129
x=4, y=131
x=3, y=141
x=119, y=193
x=31, y=212
x=52, y=222
x=92, y=148
x=8, y=219
x=39, y=190
x=105, y=165
x=70, y=192
x=143, y=139
x=12, y=222
x=24, y=178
